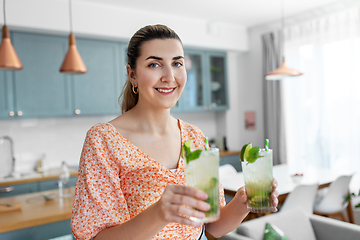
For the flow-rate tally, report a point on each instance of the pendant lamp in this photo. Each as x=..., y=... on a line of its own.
x=9, y=60
x=73, y=63
x=283, y=71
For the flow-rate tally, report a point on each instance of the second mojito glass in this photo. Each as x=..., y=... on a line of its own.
x=203, y=173
x=258, y=177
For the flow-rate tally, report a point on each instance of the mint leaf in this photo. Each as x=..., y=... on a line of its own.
x=190, y=156
x=253, y=155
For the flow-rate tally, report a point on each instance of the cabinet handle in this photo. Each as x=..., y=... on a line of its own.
x=7, y=189
x=11, y=113
x=77, y=111
x=19, y=113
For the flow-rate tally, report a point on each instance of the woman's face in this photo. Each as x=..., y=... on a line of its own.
x=160, y=73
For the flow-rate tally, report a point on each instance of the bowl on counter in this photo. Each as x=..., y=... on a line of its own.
x=297, y=177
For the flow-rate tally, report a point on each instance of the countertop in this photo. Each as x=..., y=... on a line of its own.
x=35, y=210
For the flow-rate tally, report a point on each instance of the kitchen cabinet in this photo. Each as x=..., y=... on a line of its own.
x=98, y=90
x=40, y=90
x=6, y=94
x=33, y=187
x=53, y=184
x=48, y=231
x=206, y=87
x=20, y=189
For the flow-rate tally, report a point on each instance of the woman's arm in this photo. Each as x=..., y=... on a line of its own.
x=234, y=213
x=168, y=209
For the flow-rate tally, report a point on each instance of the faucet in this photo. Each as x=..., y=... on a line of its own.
x=3, y=139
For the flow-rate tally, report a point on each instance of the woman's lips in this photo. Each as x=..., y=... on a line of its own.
x=165, y=90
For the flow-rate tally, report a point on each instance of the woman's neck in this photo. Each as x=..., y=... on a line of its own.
x=152, y=120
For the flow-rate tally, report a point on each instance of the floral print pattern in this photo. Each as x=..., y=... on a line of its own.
x=116, y=181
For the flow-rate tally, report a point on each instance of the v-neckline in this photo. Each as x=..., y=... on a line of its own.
x=180, y=161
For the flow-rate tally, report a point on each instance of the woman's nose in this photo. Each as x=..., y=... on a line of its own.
x=168, y=75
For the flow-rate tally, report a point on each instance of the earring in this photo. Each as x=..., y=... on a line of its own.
x=133, y=89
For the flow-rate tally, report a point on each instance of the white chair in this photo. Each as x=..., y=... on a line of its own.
x=303, y=196
x=331, y=201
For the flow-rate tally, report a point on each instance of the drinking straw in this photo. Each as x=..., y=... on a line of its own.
x=206, y=144
x=266, y=144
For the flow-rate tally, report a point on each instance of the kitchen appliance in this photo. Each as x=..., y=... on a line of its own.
x=7, y=159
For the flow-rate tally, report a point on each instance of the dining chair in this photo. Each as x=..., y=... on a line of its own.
x=303, y=196
x=331, y=201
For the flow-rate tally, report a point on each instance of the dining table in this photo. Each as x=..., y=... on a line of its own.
x=232, y=180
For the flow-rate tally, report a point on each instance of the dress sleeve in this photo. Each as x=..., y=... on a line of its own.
x=99, y=201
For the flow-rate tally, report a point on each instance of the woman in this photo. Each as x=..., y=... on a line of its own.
x=131, y=182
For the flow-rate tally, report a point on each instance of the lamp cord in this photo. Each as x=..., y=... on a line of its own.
x=4, y=13
x=70, y=12
x=282, y=31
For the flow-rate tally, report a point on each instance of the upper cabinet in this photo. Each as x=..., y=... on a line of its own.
x=6, y=94
x=40, y=90
x=98, y=90
x=206, y=87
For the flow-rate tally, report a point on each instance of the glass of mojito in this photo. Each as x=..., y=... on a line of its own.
x=258, y=177
x=202, y=172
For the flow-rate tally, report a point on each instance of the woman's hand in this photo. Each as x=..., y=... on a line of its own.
x=177, y=203
x=274, y=195
x=241, y=195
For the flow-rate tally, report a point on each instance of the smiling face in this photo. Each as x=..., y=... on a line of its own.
x=160, y=73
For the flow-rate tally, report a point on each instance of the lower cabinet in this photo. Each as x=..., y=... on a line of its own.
x=19, y=189
x=56, y=231
x=33, y=187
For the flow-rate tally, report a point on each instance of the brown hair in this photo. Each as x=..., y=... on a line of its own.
x=147, y=33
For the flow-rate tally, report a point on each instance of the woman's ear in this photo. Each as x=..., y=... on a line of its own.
x=131, y=74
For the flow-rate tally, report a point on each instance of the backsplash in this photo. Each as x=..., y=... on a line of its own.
x=55, y=140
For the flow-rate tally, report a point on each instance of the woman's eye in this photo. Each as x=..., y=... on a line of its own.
x=178, y=64
x=153, y=65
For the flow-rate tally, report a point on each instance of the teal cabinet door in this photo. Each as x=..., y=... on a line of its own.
x=40, y=89
x=98, y=90
x=216, y=81
x=20, y=189
x=6, y=95
x=206, y=88
x=193, y=98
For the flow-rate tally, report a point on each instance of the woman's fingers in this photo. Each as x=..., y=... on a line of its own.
x=178, y=203
x=189, y=191
x=275, y=195
x=275, y=183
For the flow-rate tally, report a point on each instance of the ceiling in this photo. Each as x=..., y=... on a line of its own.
x=246, y=13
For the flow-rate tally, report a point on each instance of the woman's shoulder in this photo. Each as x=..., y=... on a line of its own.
x=190, y=130
x=100, y=129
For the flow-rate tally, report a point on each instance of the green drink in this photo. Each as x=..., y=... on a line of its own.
x=258, y=178
x=202, y=172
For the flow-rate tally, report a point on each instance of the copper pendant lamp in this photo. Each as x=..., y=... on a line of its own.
x=73, y=63
x=283, y=71
x=9, y=60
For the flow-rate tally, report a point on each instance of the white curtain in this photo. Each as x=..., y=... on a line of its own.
x=322, y=107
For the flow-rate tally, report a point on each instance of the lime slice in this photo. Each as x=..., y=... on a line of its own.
x=244, y=151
